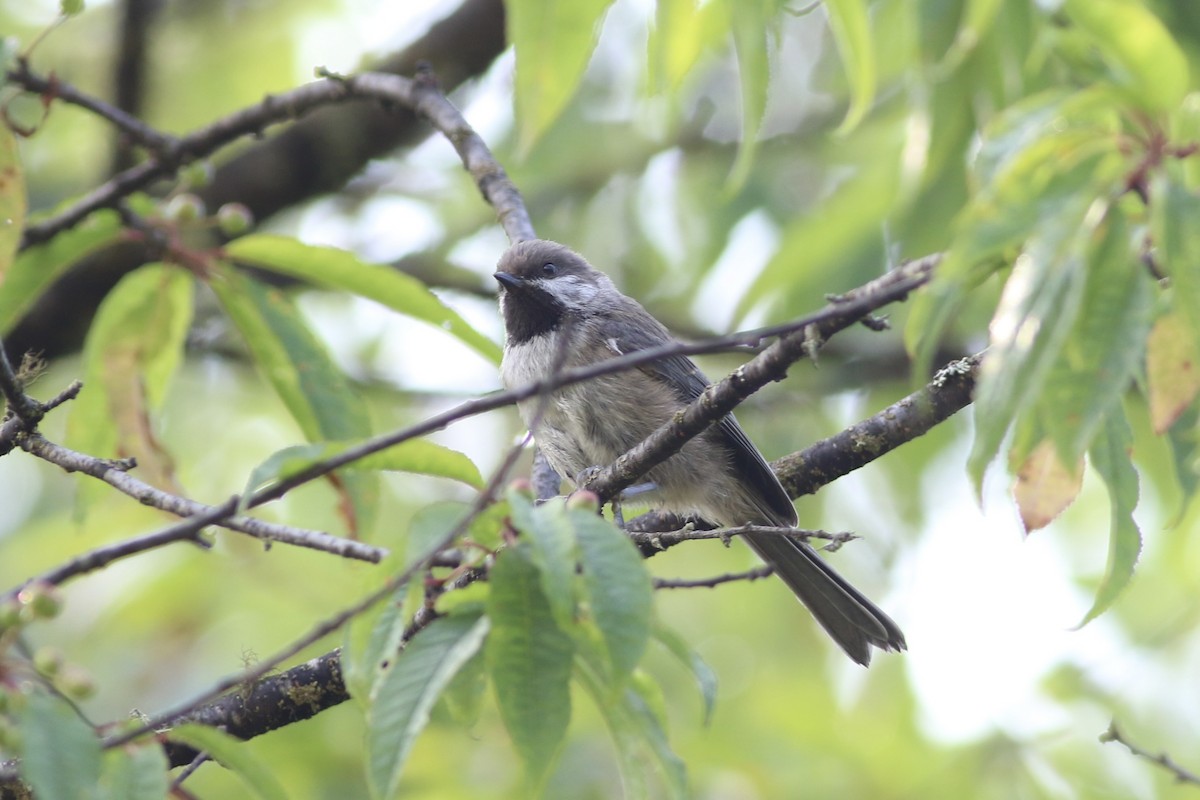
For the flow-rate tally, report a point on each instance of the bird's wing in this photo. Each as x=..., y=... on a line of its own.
x=682, y=374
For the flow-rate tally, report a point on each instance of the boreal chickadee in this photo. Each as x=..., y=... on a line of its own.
x=559, y=310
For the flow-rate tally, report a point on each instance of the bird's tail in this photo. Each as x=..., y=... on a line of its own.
x=853, y=621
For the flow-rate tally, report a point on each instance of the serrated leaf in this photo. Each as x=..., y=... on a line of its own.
x=1177, y=246
x=372, y=640
x=316, y=393
x=646, y=705
x=368, y=643
x=749, y=23
x=1044, y=486
x=706, y=679
x=1110, y=457
x=851, y=27
x=1036, y=312
x=60, y=753
x=1104, y=349
x=977, y=18
x=12, y=199
x=1041, y=162
x=408, y=691
x=1146, y=59
x=682, y=32
x=131, y=353
x=552, y=547
x=417, y=456
x=1185, y=455
x=233, y=755
x=617, y=589
x=553, y=43
x=36, y=268
x=636, y=732
x=135, y=773
x=529, y=659
x=464, y=695
x=333, y=268
x=1172, y=370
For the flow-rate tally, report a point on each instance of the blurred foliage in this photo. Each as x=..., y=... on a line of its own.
x=727, y=163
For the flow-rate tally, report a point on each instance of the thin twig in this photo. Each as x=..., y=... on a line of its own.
x=114, y=474
x=758, y=573
x=24, y=407
x=770, y=365
x=103, y=556
x=1182, y=775
x=821, y=463
x=657, y=541
x=51, y=87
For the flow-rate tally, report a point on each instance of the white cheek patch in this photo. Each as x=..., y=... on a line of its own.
x=574, y=293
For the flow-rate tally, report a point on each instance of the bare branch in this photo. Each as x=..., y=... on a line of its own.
x=101, y=557
x=20, y=405
x=251, y=675
x=115, y=474
x=758, y=573
x=651, y=542
x=51, y=88
x=820, y=464
x=770, y=365
x=950, y=390
x=1182, y=775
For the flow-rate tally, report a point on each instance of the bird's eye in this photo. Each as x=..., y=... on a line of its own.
x=549, y=269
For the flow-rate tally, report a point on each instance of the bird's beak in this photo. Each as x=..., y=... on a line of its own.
x=508, y=281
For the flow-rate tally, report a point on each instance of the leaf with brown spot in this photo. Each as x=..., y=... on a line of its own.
x=1172, y=370
x=1044, y=486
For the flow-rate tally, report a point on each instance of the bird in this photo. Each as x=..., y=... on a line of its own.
x=561, y=312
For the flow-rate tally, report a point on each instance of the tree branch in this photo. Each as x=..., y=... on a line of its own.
x=114, y=474
x=771, y=365
x=1182, y=775
x=758, y=573
x=819, y=464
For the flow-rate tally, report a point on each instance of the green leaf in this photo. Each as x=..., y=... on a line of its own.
x=706, y=679
x=464, y=696
x=682, y=32
x=529, y=658
x=1173, y=215
x=553, y=550
x=296, y=364
x=36, y=268
x=749, y=22
x=1146, y=60
x=12, y=199
x=416, y=455
x=851, y=27
x=1041, y=163
x=1185, y=456
x=553, y=43
x=408, y=690
x=1110, y=457
x=1105, y=347
x=60, y=753
x=1172, y=370
x=131, y=353
x=135, y=773
x=637, y=732
x=618, y=591
x=339, y=269
x=368, y=643
x=1036, y=313
x=233, y=755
